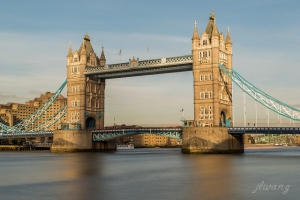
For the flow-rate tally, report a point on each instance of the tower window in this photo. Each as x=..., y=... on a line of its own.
x=201, y=78
x=206, y=95
x=201, y=95
x=204, y=42
x=75, y=69
x=205, y=54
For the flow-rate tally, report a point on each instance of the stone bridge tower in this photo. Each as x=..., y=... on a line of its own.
x=212, y=95
x=85, y=110
x=212, y=88
x=85, y=93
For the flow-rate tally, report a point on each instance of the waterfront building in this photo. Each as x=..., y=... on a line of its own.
x=152, y=140
x=13, y=113
x=145, y=140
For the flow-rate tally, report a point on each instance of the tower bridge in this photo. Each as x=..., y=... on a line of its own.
x=211, y=129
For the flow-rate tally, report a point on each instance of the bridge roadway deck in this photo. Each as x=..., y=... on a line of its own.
x=100, y=135
x=170, y=132
x=264, y=130
x=26, y=134
x=140, y=68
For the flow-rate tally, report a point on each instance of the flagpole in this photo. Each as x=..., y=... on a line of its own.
x=182, y=119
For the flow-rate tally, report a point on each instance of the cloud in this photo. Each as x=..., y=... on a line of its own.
x=5, y=98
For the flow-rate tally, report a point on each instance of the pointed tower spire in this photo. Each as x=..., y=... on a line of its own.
x=215, y=31
x=195, y=34
x=102, y=57
x=228, y=39
x=83, y=51
x=70, y=54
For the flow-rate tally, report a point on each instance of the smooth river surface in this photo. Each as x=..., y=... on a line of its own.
x=151, y=174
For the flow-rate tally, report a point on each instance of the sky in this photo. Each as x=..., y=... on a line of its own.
x=35, y=37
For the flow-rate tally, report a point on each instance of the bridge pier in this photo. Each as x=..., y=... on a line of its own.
x=71, y=141
x=78, y=141
x=211, y=140
x=110, y=145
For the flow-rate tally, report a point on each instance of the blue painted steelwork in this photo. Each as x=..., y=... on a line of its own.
x=101, y=135
x=261, y=97
x=147, y=67
x=36, y=115
x=52, y=120
x=10, y=135
x=264, y=130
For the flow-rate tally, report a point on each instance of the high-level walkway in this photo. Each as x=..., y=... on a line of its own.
x=139, y=68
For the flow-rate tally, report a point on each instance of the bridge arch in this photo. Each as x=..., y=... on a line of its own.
x=223, y=118
x=90, y=123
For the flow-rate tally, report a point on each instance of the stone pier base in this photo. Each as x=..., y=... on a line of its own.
x=71, y=141
x=78, y=140
x=211, y=140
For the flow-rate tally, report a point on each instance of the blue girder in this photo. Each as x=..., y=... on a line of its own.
x=264, y=130
x=35, y=116
x=101, y=135
x=26, y=134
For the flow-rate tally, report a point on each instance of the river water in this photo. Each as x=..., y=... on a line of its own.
x=259, y=173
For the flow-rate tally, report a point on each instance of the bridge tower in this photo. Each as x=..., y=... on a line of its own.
x=85, y=93
x=212, y=89
x=212, y=94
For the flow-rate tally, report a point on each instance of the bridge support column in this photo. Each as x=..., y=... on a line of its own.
x=71, y=141
x=110, y=145
x=211, y=140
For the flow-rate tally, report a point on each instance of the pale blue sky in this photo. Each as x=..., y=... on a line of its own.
x=35, y=36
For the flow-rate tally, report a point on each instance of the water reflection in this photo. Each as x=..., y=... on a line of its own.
x=148, y=174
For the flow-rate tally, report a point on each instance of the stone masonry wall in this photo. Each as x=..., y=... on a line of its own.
x=211, y=140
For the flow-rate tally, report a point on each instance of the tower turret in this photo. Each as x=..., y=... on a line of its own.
x=70, y=55
x=102, y=58
x=228, y=43
x=195, y=43
x=83, y=53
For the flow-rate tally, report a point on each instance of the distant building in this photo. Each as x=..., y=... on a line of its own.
x=152, y=140
x=145, y=140
x=13, y=113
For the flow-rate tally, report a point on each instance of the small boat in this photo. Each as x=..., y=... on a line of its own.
x=125, y=146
